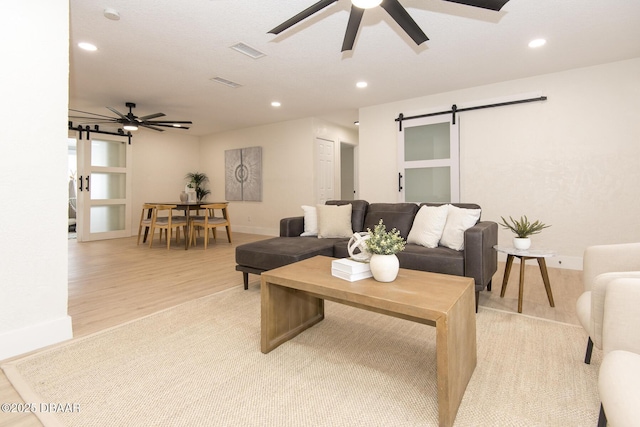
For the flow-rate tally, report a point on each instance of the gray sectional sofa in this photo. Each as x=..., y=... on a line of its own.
x=477, y=259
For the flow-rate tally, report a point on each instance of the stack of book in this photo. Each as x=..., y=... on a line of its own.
x=350, y=270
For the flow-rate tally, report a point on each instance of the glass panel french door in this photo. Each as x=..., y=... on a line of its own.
x=428, y=157
x=104, y=189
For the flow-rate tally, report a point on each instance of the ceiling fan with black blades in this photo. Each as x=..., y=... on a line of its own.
x=130, y=121
x=393, y=8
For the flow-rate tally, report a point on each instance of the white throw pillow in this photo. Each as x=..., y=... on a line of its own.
x=458, y=220
x=310, y=221
x=334, y=221
x=428, y=226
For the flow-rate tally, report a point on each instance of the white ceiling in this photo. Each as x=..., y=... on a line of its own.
x=161, y=54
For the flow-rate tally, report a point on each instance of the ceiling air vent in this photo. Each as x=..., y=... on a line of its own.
x=226, y=82
x=248, y=50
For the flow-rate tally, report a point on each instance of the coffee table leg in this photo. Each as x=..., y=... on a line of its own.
x=456, y=355
x=285, y=313
x=507, y=271
x=545, y=278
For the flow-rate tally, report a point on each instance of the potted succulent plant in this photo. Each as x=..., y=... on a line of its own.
x=383, y=246
x=522, y=228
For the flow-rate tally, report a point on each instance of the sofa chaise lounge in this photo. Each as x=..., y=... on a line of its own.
x=476, y=258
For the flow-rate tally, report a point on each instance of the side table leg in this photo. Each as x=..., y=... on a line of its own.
x=507, y=271
x=520, y=292
x=545, y=278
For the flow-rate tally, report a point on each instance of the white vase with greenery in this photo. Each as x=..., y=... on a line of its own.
x=384, y=245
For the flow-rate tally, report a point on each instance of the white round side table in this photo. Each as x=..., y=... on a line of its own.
x=537, y=254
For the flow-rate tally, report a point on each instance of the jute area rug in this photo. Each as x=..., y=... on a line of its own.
x=199, y=364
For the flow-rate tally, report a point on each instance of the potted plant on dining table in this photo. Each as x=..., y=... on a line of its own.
x=196, y=184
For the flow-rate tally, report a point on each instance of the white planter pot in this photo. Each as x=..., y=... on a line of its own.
x=384, y=267
x=522, y=243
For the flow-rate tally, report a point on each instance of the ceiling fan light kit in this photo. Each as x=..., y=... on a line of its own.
x=392, y=7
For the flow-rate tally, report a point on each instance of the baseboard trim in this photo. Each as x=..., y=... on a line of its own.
x=558, y=261
x=24, y=340
x=255, y=230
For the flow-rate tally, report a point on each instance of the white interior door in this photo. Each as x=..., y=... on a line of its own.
x=429, y=160
x=324, y=170
x=104, y=188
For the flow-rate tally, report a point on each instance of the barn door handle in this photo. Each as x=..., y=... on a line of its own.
x=87, y=188
x=80, y=188
x=399, y=181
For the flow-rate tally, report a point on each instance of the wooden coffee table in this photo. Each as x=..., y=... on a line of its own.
x=292, y=300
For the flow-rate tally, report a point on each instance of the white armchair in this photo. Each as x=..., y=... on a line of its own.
x=619, y=377
x=601, y=265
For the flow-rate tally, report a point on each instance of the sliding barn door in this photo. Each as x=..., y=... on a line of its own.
x=429, y=160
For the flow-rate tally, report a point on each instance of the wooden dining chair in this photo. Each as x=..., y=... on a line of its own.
x=167, y=223
x=210, y=221
x=145, y=219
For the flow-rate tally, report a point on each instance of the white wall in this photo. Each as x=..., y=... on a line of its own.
x=287, y=169
x=160, y=163
x=571, y=161
x=34, y=176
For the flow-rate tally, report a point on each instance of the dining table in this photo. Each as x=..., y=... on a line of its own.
x=187, y=207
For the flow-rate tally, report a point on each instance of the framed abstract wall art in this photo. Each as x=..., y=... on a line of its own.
x=243, y=174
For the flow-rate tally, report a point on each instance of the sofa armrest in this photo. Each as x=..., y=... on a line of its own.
x=292, y=226
x=480, y=259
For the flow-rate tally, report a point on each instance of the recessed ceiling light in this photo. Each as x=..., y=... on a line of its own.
x=356, y=123
x=275, y=104
x=366, y=4
x=537, y=43
x=362, y=84
x=87, y=46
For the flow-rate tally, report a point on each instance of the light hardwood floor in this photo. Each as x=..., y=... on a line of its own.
x=116, y=281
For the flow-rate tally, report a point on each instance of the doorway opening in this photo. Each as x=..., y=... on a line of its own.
x=72, y=154
x=347, y=172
